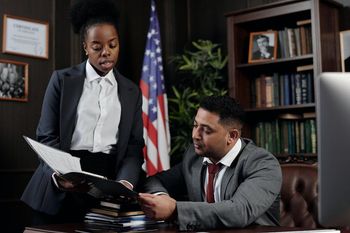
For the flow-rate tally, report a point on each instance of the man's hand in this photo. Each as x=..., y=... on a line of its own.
x=158, y=207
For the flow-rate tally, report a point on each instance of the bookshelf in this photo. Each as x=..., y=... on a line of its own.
x=278, y=94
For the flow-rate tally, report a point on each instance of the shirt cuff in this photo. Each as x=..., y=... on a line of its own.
x=127, y=183
x=54, y=180
x=160, y=193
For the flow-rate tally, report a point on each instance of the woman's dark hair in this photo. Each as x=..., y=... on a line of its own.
x=86, y=13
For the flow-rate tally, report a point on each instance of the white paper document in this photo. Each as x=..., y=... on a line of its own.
x=69, y=168
x=59, y=161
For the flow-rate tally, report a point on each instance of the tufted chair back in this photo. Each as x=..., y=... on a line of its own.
x=299, y=196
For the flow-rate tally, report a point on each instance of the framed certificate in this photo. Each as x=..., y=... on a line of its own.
x=25, y=37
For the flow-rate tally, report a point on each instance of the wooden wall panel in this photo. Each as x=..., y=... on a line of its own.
x=20, y=118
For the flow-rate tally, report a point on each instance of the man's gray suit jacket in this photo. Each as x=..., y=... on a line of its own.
x=57, y=124
x=249, y=190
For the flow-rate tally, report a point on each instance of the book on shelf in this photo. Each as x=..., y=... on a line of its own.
x=305, y=67
x=291, y=42
x=303, y=22
x=297, y=41
x=290, y=116
x=275, y=90
x=68, y=168
x=286, y=90
x=268, y=91
x=307, y=115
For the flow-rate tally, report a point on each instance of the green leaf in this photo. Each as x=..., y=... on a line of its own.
x=202, y=75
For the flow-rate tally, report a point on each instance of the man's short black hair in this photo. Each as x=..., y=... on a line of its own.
x=228, y=109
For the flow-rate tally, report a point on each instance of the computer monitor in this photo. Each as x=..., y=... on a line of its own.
x=333, y=129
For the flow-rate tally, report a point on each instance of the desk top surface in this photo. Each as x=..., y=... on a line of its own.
x=81, y=228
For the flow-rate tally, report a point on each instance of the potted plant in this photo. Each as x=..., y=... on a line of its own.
x=200, y=75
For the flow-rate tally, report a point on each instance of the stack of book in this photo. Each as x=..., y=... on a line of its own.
x=112, y=216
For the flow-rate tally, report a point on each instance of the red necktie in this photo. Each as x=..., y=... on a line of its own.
x=212, y=170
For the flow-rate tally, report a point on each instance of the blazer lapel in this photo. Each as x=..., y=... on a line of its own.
x=198, y=179
x=72, y=88
x=123, y=94
x=230, y=171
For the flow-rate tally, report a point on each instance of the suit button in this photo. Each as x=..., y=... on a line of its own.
x=190, y=227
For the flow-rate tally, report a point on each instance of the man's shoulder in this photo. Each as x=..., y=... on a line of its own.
x=250, y=150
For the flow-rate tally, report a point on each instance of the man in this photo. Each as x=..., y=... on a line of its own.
x=246, y=187
x=265, y=51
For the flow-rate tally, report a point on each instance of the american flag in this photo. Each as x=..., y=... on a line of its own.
x=155, y=106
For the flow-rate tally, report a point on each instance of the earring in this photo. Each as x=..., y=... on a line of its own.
x=86, y=53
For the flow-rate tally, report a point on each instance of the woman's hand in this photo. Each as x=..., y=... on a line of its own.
x=66, y=185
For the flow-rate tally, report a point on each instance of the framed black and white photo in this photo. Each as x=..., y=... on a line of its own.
x=26, y=37
x=345, y=50
x=13, y=80
x=262, y=46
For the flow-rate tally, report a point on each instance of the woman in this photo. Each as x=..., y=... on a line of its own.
x=91, y=111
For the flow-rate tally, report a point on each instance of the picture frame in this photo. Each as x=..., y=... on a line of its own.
x=262, y=46
x=26, y=37
x=345, y=50
x=13, y=80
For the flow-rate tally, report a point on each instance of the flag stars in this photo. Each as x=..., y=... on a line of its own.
x=154, y=86
x=154, y=109
x=145, y=68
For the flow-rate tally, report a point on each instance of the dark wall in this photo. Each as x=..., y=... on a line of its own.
x=181, y=22
x=17, y=160
x=19, y=118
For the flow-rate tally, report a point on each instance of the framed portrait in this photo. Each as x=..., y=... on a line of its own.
x=262, y=46
x=13, y=80
x=345, y=50
x=27, y=37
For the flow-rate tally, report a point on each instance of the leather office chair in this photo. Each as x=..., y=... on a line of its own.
x=299, y=196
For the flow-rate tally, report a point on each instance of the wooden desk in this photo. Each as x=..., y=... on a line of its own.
x=76, y=228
